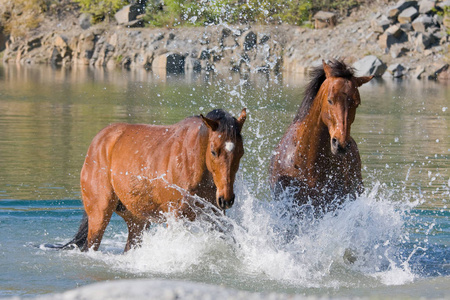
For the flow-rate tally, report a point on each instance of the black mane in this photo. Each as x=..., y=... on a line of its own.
x=227, y=123
x=338, y=69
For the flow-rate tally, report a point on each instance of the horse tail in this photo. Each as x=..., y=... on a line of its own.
x=79, y=240
x=80, y=237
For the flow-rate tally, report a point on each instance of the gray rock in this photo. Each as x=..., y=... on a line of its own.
x=408, y=15
x=395, y=10
x=422, y=23
x=426, y=6
x=323, y=19
x=436, y=69
x=250, y=41
x=193, y=64
x=170, y=62
x=398, y=51
x=395, y=30
x=370, y=65
x=407, y=27
x=85, y=21
x=380, y=25
x=443, y=4
x=422, y=42
x=55, y=58
x=129, y=13
x=3, y=40
x=386, y=40
x=164, y=290
x=396, y=70
x=419, y=72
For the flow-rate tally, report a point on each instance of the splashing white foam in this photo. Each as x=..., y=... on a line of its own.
x=266, y=241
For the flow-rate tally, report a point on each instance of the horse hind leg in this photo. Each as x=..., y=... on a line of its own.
x=135, y=226
x=99, y=207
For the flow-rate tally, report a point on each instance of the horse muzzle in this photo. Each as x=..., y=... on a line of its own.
x=225, y=204
x=338, y=148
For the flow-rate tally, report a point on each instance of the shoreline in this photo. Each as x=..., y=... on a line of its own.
x=370, y=39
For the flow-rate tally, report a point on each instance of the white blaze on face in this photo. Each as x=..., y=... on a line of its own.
x=229, y=146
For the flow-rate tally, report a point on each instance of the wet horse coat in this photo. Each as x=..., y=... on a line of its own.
x=143, y=171
x=317, y=161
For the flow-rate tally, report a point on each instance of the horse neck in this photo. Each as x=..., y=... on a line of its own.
x=312, y=133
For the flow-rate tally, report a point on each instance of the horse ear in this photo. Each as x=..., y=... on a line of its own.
x=242, y=118
x=327, y=69
x=361, y=80
x=212, y=124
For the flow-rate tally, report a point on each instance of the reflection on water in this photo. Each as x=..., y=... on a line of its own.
x=49, y=116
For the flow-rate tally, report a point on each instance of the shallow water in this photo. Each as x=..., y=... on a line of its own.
x=398, y=231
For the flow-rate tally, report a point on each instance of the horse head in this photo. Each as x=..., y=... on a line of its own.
x=340, y=98
x=224, y=152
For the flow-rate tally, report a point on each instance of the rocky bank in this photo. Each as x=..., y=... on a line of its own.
x=389, y=39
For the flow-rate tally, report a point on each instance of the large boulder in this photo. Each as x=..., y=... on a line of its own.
x=129, y=13
x=370, y=65
x=324, y=19
x=169, y=62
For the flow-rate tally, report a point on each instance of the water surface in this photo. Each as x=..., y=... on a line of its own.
x=399, y=229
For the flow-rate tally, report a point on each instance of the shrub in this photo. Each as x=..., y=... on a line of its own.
x=200, y=12
x=19, y=16
x=101, y=9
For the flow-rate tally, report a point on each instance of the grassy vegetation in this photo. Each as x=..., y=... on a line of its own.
x=101, y=9
x=172, y=13
x=18, y=16
x=196, y=12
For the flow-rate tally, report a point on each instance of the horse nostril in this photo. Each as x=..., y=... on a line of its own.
x=232, y=201
x=335, y=143
x=221, y=202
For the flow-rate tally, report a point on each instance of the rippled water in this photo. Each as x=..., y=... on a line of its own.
x=398, y=231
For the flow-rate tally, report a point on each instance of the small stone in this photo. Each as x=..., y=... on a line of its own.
x=419, y=72
x=395, y=10
x=427, y=6
x=386, y=40
x=422, y=23
x=396, y=70
x=380, y=25
x=395, y=31
x=408, y=15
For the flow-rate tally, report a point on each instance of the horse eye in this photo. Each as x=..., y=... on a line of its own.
x=213, y=153
x=330, y=102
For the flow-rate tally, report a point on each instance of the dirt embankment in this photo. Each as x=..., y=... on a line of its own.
x=396, y=39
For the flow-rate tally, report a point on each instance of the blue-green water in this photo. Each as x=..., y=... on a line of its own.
x=399, y=231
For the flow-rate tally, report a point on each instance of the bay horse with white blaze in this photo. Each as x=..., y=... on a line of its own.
x=317, y=161
x=143, y=171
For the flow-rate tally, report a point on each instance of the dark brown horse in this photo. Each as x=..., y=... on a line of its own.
x=317, y=161
x=142, y=171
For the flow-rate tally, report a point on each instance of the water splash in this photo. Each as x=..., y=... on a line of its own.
x=265, y=240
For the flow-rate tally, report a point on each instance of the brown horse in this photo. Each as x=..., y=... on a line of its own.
x=142, y=171
x=317, y=161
